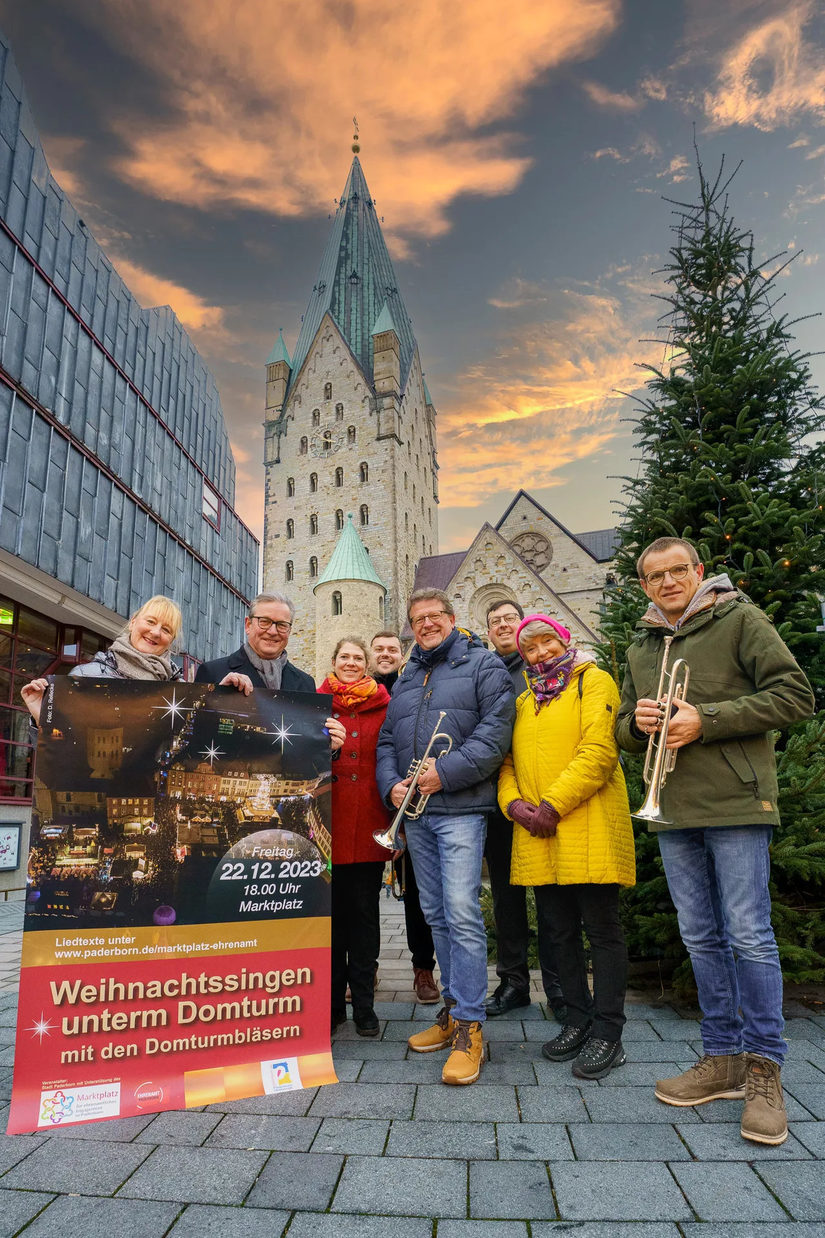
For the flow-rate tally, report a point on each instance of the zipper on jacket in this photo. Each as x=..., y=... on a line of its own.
x=421, y=700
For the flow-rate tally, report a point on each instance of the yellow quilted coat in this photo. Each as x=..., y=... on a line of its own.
x=566, y=754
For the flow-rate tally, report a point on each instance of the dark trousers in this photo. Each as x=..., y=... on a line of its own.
x=419, y=936
x=356, y=933
x=562, y=913
x=510, y=912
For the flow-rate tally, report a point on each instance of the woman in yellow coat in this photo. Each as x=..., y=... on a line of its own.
x=563, y=785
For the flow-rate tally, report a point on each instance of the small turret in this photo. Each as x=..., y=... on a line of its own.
x=278, y=370
x=386, y=370
x=349, y=597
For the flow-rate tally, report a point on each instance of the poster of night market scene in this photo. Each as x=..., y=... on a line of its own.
x=176, y=934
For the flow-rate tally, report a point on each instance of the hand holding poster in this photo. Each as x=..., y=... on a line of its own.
x=176, y=938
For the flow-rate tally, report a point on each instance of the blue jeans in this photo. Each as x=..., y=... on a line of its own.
x=446, y=854
x=718, y=880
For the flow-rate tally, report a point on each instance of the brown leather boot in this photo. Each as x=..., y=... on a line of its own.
x=464, y=1063
x=426, y=989
x=764, y=1119
x=436, y=1037
x=711, y=1078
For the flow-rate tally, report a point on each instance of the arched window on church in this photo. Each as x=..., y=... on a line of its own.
x=302, y=450
x=423, y=545
x=290, y=570
x=363, y=472
x=350, y=434
x=406, y=522
x=316, y=416
x=414, y=496
x=313, y=566
x=313, y=523
x=406, y=484
x=290, y=528
x=337, y=603
x=380, y=610
x=365, y=514
x=313, y=483
x=339, y=412
x=290, y=487
x=339, y=477
x=326, y=441
x=339, y=519
x=327, y=391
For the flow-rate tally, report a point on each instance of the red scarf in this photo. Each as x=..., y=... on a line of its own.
x=349, y=695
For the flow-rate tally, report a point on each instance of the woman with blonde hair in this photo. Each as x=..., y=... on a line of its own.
x=140, y=651
x=357, y=811
x=563, y=787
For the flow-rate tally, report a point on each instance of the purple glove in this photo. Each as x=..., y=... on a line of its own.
x=522, y=813
x=545, y=820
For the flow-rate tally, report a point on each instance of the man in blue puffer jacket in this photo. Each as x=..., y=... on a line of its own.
x=449, y=670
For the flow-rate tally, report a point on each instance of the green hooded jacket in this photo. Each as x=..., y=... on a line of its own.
x=745, y=684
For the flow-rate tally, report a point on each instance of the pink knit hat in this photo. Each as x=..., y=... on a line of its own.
x=559, y=628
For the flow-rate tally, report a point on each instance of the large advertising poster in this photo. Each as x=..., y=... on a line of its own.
x=176, y=937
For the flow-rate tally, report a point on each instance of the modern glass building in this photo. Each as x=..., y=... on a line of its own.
x=117, y=480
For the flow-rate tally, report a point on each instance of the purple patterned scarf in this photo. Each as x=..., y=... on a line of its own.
x=547, y=680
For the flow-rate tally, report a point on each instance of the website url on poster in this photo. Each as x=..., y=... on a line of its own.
x=119, y=952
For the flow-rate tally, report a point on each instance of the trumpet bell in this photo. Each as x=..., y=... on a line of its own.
x=652, y=814
x=390, y=839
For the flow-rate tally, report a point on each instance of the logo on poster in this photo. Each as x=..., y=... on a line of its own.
x=148, y=1095
x=85, y=1104
x=281, y=1076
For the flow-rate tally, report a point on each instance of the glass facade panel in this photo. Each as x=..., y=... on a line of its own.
x=134, y=397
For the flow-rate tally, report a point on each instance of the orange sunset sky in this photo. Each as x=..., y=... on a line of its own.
x=519, y=155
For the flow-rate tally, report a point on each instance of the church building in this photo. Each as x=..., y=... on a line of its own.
x=349, y=433
x=529, y=557
x=351, y=498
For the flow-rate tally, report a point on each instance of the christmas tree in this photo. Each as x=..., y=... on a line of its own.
x=732, y=459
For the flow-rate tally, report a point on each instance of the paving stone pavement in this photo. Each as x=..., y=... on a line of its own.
x=389, y=1152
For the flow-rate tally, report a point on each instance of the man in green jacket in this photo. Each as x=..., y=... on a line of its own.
x=718, y=809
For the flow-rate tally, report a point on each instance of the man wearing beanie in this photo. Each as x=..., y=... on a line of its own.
x=718, y=810
x=449, y=672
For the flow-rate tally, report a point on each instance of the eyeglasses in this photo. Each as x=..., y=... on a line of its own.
x=281, y=626
x=433, y=617
x=678, y=572
x=497, y=623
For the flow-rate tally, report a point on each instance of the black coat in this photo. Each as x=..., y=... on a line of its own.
x=238, y=663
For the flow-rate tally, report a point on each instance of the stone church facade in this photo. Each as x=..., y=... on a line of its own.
x=349, y=431
x=531, y=558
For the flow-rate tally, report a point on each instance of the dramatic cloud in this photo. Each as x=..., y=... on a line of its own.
x=258, y=99
x=773, y=75
x=151, y=290
x=549, y=394
x=616, y=101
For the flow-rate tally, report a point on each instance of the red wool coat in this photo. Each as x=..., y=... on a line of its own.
x=357, y=808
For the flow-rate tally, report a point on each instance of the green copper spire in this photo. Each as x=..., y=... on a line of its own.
x=349, y=560
x=385, y=321
x=279, y=351
x=355, y=282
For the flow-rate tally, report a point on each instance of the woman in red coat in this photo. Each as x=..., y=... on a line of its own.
x=357, y=810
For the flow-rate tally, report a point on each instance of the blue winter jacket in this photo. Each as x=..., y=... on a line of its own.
x=473, y=686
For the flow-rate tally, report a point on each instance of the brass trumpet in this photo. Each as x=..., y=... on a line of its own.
x=658, y=761
x=389, y=838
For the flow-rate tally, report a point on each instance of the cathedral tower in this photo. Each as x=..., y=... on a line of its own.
x=350, y=427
